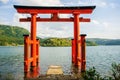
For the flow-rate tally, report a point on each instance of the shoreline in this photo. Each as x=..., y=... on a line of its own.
x=57, y=77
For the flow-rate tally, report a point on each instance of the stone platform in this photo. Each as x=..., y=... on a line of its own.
x=54, y=70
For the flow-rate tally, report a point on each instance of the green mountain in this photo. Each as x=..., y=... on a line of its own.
x=100, y=41
x=11, y=35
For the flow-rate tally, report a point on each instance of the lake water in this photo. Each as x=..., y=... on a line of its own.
x=101, y=57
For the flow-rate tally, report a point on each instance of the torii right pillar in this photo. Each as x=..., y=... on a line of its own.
x=83, y=52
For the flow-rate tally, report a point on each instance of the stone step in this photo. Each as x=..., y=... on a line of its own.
x=53, y=69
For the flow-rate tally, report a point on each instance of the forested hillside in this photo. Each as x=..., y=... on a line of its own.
x=11, y=35
x=56, y=42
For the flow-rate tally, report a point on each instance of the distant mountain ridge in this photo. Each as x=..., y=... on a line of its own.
x=100, y=41
x=13, y=35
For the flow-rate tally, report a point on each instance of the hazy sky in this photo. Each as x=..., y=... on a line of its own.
x=104, y=19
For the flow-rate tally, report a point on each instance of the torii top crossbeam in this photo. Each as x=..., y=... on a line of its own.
x=60, y=9
x=54, y=11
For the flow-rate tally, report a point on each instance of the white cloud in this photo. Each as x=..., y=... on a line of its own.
x=102, y=4
x=40, y=2
x=4, y=1
x=83, y=2
x=113, y=5
x=99, y=3
x=95, y=22
x=69, y=3
x=4, y=22
x=53, y=29
x=64, y=15
x=106, y=24
x=102, y=29
x=105, y=35
x=16, y=21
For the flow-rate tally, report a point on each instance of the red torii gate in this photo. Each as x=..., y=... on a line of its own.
x=78, y=47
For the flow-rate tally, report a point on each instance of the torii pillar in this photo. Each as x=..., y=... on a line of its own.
x=33, y=38
x=76, y=39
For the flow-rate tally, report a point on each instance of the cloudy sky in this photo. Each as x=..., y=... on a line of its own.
x=104, y=19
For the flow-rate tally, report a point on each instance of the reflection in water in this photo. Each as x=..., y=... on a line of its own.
x=75, y=71
x=33, y=73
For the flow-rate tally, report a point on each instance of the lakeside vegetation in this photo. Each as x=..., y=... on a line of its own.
x=92, y=74
x=13, y=36
x=56, y=42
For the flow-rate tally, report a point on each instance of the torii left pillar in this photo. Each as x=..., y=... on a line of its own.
x=31, y=51
x=77, y=49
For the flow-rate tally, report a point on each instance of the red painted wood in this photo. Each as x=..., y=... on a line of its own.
x=33, y=38
x=76, y=39
x=55, y=20
x=26, y=53
x=73, y=51
x=83, y=48
x=47, y=11
x=37, y=51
